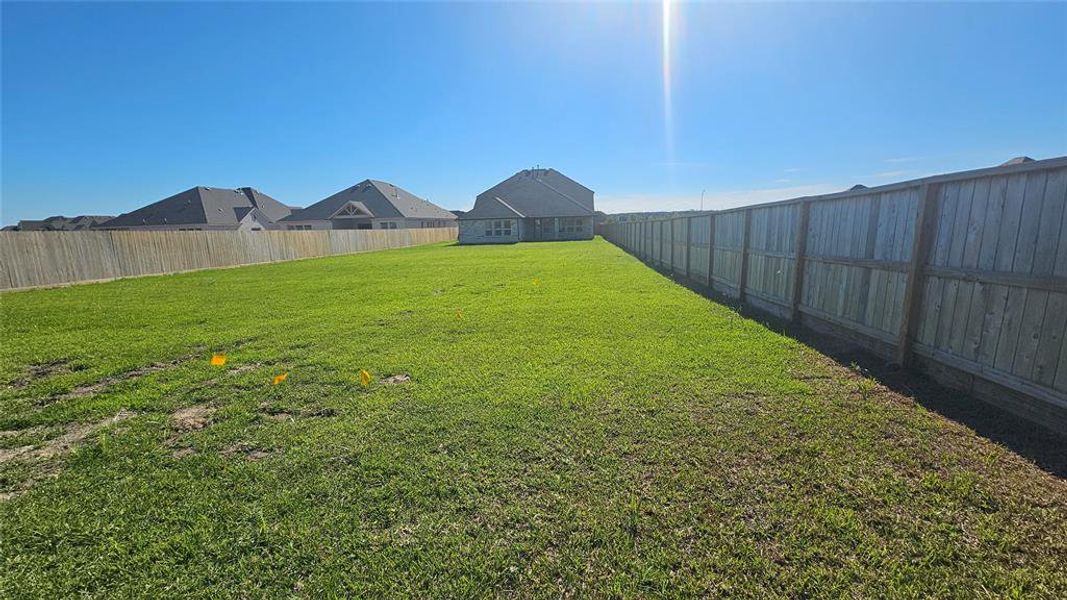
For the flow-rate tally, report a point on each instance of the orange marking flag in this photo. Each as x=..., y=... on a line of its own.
x=280, y=378
x=217, y=360
x=364, y=377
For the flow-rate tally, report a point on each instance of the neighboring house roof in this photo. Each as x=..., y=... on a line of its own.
x=61, y=223
x=378, y=199
x=204, y=206
x=533, y=193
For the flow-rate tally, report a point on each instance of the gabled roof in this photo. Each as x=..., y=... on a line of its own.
x=61, y=223
x=379, y=198
x=533, y=193
x=203, y=206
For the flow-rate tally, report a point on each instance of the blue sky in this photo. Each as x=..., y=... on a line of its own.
x=106, y=107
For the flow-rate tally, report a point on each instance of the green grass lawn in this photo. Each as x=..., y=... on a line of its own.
x=575, y=424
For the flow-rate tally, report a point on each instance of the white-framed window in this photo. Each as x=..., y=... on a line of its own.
x=388, y=225
x=299, y=227
x=500, y=228
x=571, y=225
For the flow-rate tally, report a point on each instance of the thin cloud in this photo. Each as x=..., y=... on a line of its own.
x=885, y=174
x=623, y=203
x=903, y=159
x=792, y=170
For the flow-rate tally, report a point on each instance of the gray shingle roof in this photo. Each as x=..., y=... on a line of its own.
x=203, y=206
x=61, y=223
x=379, y=198
x=533, y=193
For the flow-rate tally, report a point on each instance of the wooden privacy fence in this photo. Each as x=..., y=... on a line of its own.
x=962, y=275
x=32, y=259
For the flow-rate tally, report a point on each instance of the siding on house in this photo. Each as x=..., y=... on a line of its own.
x=315, y=225
x=474, y=232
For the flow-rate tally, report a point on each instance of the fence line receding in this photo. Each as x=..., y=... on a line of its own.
x=33, y=259
x=962, y=275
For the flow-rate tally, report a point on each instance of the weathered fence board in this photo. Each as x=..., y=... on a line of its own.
x=33, y=259
x=966, y=271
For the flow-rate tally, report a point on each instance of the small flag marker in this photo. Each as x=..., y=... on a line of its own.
x=364, y=377
x=459, y=314
x=280, y=378
x=218, y=360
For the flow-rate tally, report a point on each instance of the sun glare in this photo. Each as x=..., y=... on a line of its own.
x=668, y=125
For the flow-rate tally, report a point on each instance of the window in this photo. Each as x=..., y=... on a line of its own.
x=498, y=228
x=388, y=225
x=571, y=225
x=299, y=227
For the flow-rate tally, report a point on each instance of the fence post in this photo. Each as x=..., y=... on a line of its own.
x=663, y=236
x=925, y=222
x=711, y=250
x=688, y=243
x=670, y=223
x=744, y=254
x=799, y=253
x=646, y=241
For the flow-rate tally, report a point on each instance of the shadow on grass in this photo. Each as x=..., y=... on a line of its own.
x=1043, y=446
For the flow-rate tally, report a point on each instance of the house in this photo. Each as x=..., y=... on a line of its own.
x=531, y=205
x=205, y=208
x=61, y=223
x=371, y=204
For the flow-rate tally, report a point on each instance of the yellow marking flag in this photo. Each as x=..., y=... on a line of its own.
x=364, y=377
x=217, y=360
x=280, y=378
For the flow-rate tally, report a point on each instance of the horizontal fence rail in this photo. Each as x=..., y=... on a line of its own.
x=44, y=258
x=963, y=275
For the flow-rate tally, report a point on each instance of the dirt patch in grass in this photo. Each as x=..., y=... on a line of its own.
x=243, y=368
x=68, y=441
x=37, y=371
x=187, y=420
x=42, y=459
x=247, y=452
x=183, y=452
x=96, y=387
x=275, y=413
x=281, y=416
x=395, y=379
x=10, y=434
x=193, y=418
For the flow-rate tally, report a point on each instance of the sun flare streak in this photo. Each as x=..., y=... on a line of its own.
x=668, y=117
